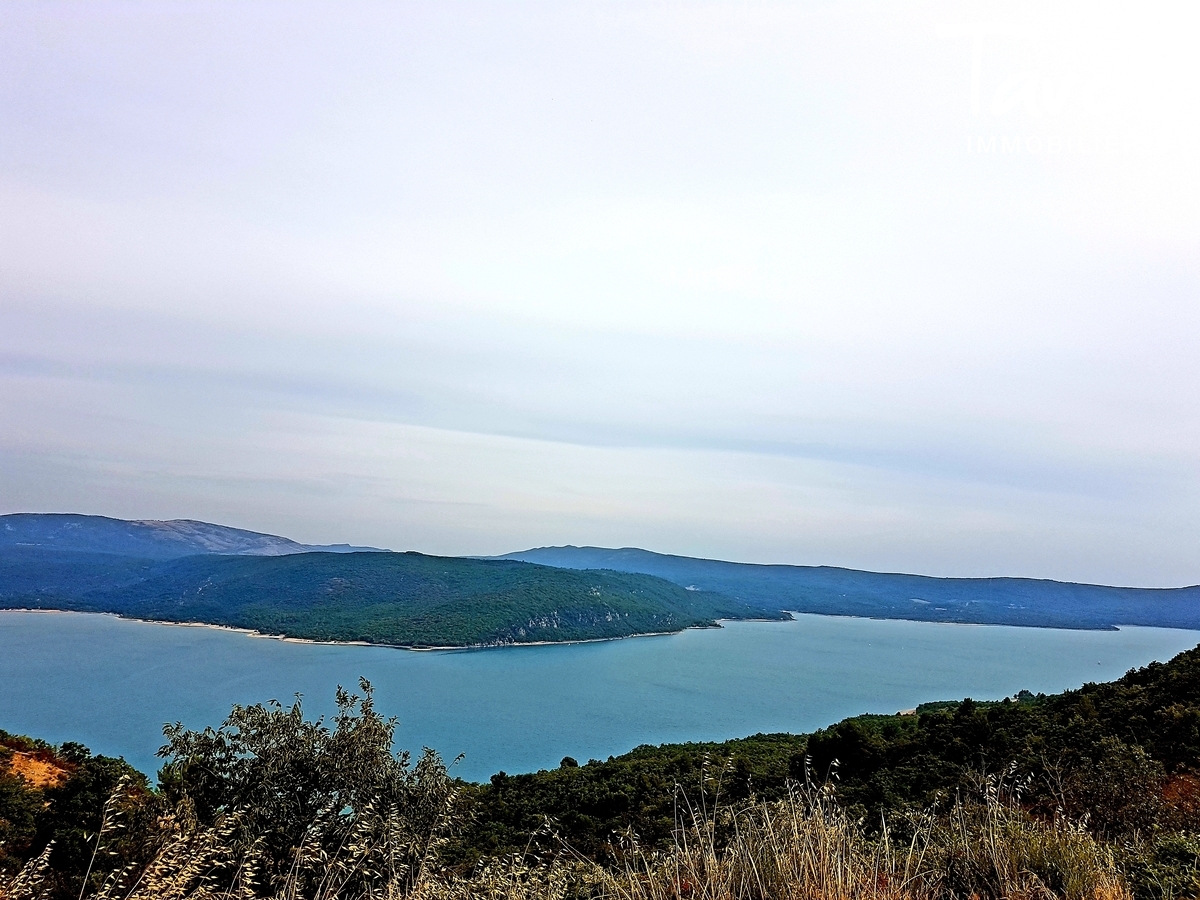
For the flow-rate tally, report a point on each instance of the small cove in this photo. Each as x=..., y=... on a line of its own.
x=112, y=683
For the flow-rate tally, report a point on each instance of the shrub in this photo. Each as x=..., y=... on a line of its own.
x=293, y=800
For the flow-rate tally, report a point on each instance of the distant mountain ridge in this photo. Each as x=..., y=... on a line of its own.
x=834, y=591
x=148, y=538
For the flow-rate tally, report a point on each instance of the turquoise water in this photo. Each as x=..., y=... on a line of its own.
x=111, y=684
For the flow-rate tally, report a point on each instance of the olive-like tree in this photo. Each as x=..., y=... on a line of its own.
x=294, y=799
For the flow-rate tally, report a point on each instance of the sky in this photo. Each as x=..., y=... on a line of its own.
x=896, y=286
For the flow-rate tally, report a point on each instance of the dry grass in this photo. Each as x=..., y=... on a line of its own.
x=807, y=848
x=804, y=847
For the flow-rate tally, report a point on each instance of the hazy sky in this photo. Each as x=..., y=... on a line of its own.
x=894, y=286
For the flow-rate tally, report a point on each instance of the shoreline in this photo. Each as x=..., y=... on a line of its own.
x=719, y=623
x=288, y=639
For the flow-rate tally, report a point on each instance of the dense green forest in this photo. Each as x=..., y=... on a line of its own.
x=1093, y=792
x=404, y=599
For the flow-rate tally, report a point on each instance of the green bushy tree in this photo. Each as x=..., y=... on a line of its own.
x=287, y=792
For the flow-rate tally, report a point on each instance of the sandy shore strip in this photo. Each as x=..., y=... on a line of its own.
x=287, y=639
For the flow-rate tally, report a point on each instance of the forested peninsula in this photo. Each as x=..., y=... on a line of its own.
x=399, y=599
x=195, y=572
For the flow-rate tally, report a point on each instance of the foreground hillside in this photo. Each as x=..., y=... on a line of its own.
x=403, y=599
x=1123, y=756
x=1093, y=794
x=847, y=592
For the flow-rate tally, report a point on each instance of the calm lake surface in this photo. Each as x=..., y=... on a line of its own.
x=111, y=684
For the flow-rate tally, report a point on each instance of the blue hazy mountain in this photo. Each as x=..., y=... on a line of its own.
x=849, y=592
x=146, y=538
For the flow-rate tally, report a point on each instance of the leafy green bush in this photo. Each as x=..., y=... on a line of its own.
x=1166, y=867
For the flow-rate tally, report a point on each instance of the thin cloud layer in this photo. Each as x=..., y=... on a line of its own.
x=909, y=289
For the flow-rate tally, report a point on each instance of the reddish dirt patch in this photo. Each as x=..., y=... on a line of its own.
x=37, y=769
x=1182, y=792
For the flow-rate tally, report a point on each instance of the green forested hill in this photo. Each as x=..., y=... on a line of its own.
x=829, y=590
x=406, y=599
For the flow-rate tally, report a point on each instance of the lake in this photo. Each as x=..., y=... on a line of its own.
x=111, y=683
